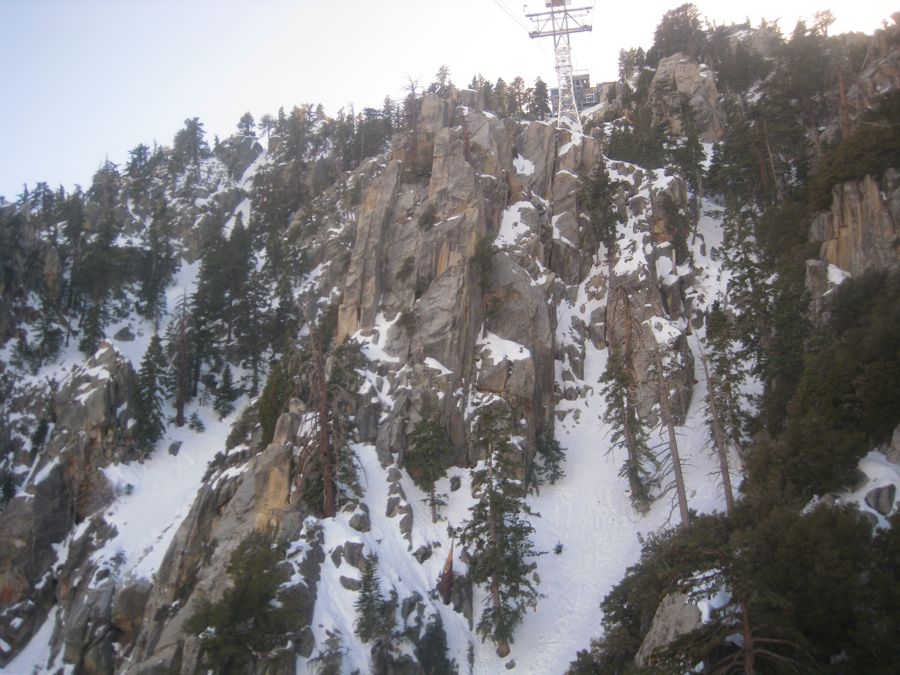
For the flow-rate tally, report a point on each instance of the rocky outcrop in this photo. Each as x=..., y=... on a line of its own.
x=880, y=72
x=861, y=232
x=679, y=76
x=225, y=513
x=675, y=616
x=66, y=487
x=238, y=153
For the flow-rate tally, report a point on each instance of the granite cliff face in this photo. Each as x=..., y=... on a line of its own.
x=462, y=259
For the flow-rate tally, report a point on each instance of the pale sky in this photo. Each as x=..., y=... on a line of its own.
x=83, y=80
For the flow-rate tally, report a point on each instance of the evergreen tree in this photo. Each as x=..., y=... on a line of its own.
x=190, y=145
x=149, y=396
x=679, y=31
x=266, y=125
x=158, y=264
x=518, y=97
x=329, y=660
x=629, y=431
x=548, y=459
x=369, y=603
x=540, y=101
x=247, y=624
x=180, y=350
x=226, y=394
x=498, y=533
x=431, y=650
x=428, y=443
x=246, y=125
x=599, y=197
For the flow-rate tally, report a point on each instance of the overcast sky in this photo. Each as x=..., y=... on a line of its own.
x=86, y=79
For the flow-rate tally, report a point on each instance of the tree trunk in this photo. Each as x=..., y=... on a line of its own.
x=719, y=436
x=324, y=424
x=666, y=405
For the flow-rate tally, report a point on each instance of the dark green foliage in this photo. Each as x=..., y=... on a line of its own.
x=639, y=142
x=431, y=651
x=678, y=227
x=195, y=423
x=726, y=372
x=328, y=660
x=274, y=398
x=190, y=145
x=539, y=107
x=498, y=533
x=226, y=394
x=39, y=436
x=246, y=125
x=483, y=260
x=548, y=459
x=847, y=398
x=871, y=149
x=428, y=444
x=245, y=625
x=375, y=618
x=149, y=397
x=599, y=198
x=629, y=431
x=181, y=351
x=157, y=265
x=679, y=31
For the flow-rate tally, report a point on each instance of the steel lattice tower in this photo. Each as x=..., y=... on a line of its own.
x=560, y=22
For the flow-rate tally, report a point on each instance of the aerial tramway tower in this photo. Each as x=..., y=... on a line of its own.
x=560, y=22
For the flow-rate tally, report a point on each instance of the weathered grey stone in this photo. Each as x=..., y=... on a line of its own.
x=174, y=447
x=393, y=506
x=410, y=604
x=406, y=521
x=238, y=153
x=679, y=75
x=882, y=499
x=124, y=334
x=350, y=584
x=860, y=231
x=422, y=553
x=892, y=451
x=128, y=606
x=337, y=554
x=353, y=554
x=675, y=616
x=360, y=522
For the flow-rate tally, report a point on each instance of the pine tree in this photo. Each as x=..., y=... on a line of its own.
x=599, y=197
x=665, y=404
x=226, y=394
x=369, y=602
x=629, y=431
x=329, y=660
x=428, y=443
x=498, y=533
x=548, y=459
x=540, y=101
x=246, y=125
x=149, y=421
x=247, y=624
x=158, y=263
x=180, y=350
x=431, y=650
x=376, y=617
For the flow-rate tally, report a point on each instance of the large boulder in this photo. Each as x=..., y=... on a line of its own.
x=679, y=76
x=861, y=230
x=675, y=616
